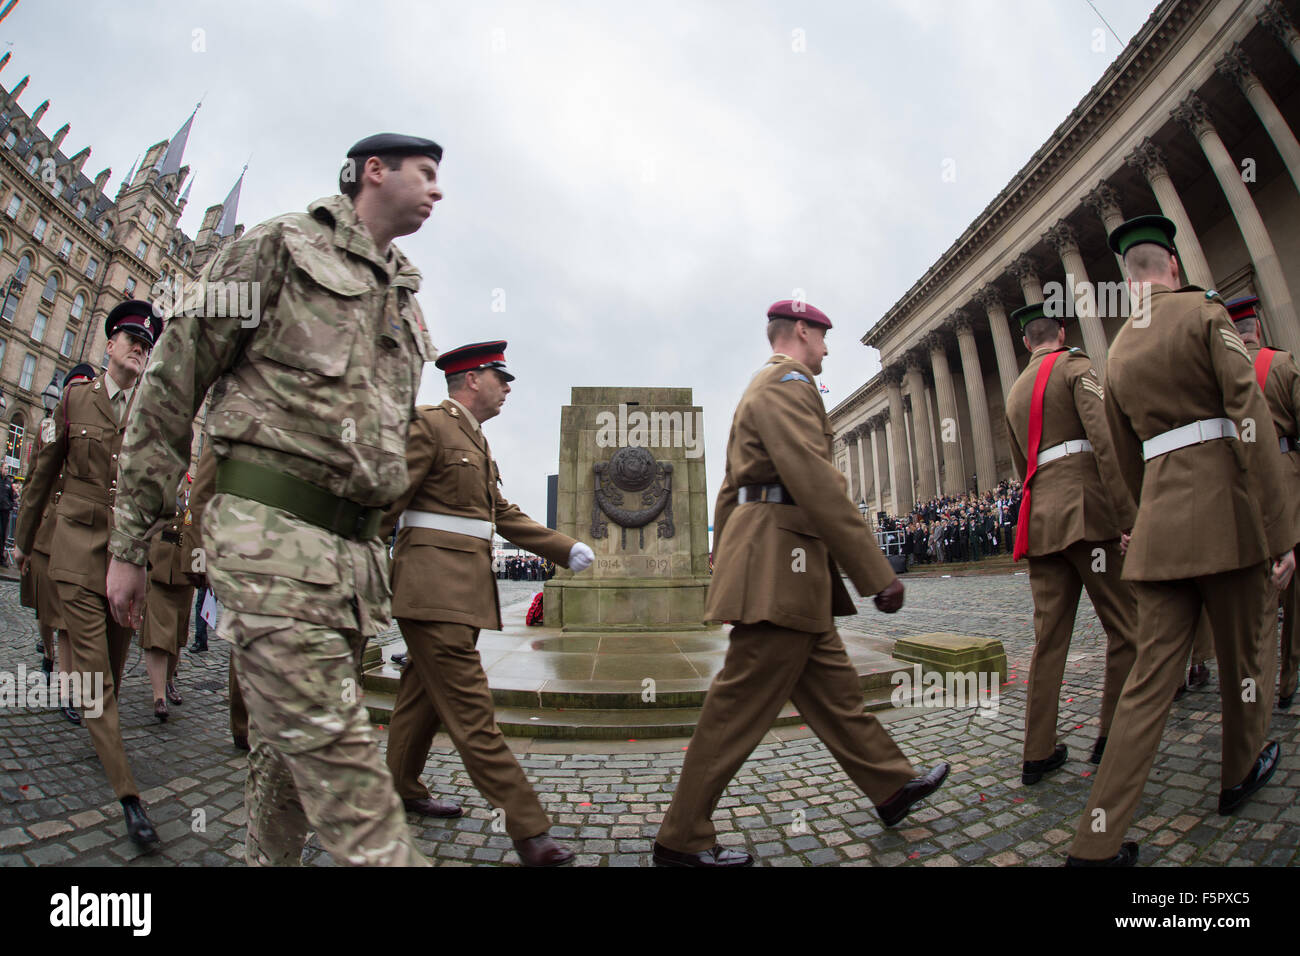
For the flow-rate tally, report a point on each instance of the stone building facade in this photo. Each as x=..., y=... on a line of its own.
x=1196, y=120
x=69, y=254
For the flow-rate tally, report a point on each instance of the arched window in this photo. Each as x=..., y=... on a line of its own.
x=51, y=289
x=57, y=188
x=10, y=139
x=24, y=268
x=81, y=208
x=78, y=306
x=33, y=163
x=14, y=440
x=167, y=190
x=2, y=242
x=104, y=228
x=171, y=247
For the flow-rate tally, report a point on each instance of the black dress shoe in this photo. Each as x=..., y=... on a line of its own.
x=897, y=806
x=70, y=715
x=714, y=856
x=1260, y=774
x=429, y=807
x=1032, y=771
x=197, y=648
x=1127, y=856
x=138, y=827
x=1098, y=749
x=241, y=743
x=401, y=660
x=541, y=850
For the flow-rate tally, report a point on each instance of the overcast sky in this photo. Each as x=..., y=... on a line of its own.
x=641, y=180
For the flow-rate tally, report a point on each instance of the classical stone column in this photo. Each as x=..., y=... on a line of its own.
x=1236, y=66
x=1025, y=269
x=981, y=432
x=873, y=423
x=1279, y=24
x=899, y=470
x=1078, y=288
x=915, y=382
x=934, y=437
x=1104, y=201
x=850, y=445
x=1274, y=293
x=1004, y=346
x=949, y=432
x=1148, y=158
x=862, y=465
x=891, y=452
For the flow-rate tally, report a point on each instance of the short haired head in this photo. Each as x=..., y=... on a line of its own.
x=1146, y=244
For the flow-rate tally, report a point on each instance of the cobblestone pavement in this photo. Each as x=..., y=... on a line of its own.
x=790, y=804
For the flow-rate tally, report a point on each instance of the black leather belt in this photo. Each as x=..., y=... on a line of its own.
x=771, y=494
x=171, y=536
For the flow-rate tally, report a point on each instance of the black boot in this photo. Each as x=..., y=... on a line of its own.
x=1098, y=749
x=138, y=826
x=1127, y=856
x=47, y=666
x=1032, y=771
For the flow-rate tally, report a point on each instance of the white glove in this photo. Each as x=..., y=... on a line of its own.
x=580, y=557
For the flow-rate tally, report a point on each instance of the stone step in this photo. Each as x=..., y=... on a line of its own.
x=609, y=724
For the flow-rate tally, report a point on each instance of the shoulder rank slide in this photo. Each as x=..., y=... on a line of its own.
x=794, y=377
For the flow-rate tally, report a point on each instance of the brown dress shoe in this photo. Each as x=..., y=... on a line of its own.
x=541, y=850
x=160, y=710
x=173, y=694
x=429, y=807
x=896, y=807
x=714, y=856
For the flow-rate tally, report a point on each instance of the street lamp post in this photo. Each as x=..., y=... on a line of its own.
x=50, y=397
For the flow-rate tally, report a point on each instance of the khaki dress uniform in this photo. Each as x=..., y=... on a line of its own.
x=1282, y=392
x=36, y=590
x=89, y=427
x=308, y=407
x=1210, y=516
x=171, y=595
x=776, y=575
x=1079, y=505
x=444, y=592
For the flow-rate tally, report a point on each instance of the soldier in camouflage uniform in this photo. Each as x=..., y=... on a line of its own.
x=308, y=413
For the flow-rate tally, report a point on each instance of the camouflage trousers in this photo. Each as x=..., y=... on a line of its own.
x=314, y=761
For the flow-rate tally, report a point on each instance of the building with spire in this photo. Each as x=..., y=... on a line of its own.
x=69, y=253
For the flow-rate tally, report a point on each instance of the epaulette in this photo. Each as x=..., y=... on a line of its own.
x=1075, y=348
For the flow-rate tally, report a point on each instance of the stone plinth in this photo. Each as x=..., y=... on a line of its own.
x=632, y=485
x=954, y=653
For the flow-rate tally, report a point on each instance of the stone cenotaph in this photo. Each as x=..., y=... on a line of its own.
x=632, y=485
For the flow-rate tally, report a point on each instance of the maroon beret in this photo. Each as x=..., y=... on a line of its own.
x=798, y=309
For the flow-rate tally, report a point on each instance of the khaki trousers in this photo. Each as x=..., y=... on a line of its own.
x=1240, y=605
x=765, y=666
x=314, y=760
x=98, y=645
x=445, y=685
x=1056, y=581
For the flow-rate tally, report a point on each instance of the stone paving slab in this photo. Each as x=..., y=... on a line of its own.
x=790, y=805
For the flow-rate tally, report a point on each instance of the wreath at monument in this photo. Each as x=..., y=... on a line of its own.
x=630, y=476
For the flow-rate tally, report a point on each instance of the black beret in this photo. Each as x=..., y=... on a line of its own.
x=396, y=143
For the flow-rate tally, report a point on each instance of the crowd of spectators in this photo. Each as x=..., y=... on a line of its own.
x=950, y=528
x=529, y=568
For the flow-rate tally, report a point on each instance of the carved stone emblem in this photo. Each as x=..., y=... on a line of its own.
x=632, y=489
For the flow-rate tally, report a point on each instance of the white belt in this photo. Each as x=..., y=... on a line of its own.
x=474, y=527
x=1193, y=434
x=1073, y=447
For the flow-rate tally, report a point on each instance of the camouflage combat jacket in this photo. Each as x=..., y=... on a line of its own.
x=319, y=385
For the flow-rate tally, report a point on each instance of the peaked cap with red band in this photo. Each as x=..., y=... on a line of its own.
x=794, y=309
x=1244, y=308
x=137, y=318
x=472, y=358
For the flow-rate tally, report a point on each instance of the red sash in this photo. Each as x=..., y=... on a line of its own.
x=1263, y=362
x=1035, y=437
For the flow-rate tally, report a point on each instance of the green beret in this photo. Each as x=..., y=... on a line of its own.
x=1154, y=229
x=1028, y=313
